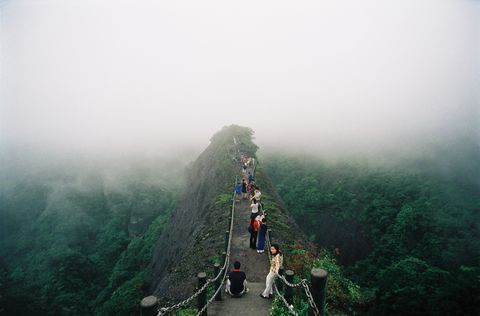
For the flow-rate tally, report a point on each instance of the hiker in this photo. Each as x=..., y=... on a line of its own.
x=257, y=194
x=249, y=188
x=244, y=189
x=236, y=282
x=262, y=232
x=275, y=264
x=253, y=227
x=251, y=192
x=244, y=169
x=250, y=177
x=238, y=191
x=254, y=207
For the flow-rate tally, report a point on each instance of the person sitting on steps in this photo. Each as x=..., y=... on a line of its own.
x=236, y=282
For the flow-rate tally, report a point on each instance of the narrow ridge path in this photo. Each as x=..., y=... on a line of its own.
x=253, y=264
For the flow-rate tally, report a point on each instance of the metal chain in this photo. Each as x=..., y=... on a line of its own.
x=290, y=307
x=213, y=296
x=227, y=259
x=292, y=284
x=164, y=310
x=303, y=283
x=311, y=301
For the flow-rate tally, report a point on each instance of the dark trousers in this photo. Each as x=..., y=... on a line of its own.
x=253, y=240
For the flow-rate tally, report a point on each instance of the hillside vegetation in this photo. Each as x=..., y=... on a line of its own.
x=76, y=238
x=408, y=232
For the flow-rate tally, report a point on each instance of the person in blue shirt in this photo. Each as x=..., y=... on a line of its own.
x=238, y=191
x=262, y=232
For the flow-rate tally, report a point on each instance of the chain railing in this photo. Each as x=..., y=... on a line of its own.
x=221, y=273
x=303, y=283
x=227, y=257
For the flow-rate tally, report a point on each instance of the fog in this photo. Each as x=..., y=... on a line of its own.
x=153, y=76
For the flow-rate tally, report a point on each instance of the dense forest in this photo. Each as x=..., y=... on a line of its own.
x=76, y=237
x=406, y=232
x=397, y=236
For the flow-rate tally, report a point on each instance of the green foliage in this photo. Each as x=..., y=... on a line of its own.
x=403, y=281
x=135, y=258
x=406, y=232
x=186, y=312
x=77, y=249
x=124, y=300
x=216, y=259
x=343, y=294
x=300, y=305
x=224, y=199
x=243, y=135
x=279, y=308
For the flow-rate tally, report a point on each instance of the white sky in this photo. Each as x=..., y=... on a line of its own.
x=95, y=73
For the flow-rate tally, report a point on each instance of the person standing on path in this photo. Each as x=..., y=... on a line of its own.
x=249, y=189
x=254, y=207
x=238, y=191
x=275, y=264
x=253, y=227
x=257, y=194
x=261, y=235
x=250, y=177
x=244, y=189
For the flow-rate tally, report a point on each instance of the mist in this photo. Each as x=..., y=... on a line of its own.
x=146, y=76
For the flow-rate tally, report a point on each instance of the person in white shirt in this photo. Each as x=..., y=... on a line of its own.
x=275, y=264
x=257, y=194
x=254, y=207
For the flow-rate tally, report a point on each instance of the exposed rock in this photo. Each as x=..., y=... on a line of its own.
x=196, y=234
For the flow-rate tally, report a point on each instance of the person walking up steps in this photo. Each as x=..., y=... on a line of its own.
x=254, y=207
x=275, y=264
x=257, y=194
x=244, y=189
x=253, y=227
x=238, y=191
x=261, y=235
x=250, y=177
x=249, y=189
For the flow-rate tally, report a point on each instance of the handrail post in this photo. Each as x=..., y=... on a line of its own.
x=318, y=277
x=289, y=290
x=148, y=306
x=270, y=236
x=227, y=235
x=202, y=298
x=224, y=257
x=218, y=297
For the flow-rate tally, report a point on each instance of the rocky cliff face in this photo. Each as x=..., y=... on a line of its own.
x=196, y=234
